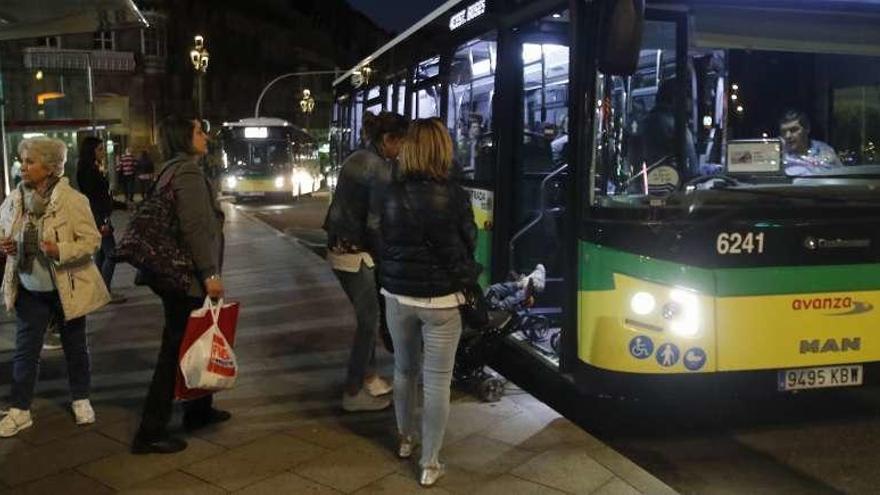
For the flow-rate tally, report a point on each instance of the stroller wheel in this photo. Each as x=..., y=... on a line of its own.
x=491, y=389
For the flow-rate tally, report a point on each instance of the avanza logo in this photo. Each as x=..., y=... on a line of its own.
x=832, y=306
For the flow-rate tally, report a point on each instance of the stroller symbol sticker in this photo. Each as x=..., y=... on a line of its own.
x=694, y=359
x=667, y=355
x=641, y=347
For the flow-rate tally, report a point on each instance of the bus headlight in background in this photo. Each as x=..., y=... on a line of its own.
x=683, y=313
x=302, y=181
x=231, y=182
x=642, y=303
x=279, y=182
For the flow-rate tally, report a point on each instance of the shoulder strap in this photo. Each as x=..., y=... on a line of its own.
x=158, y=183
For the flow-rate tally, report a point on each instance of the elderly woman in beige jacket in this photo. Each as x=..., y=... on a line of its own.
x=49, y=236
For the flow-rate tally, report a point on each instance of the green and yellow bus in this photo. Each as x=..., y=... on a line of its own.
x=699, y=177
x=268, y=158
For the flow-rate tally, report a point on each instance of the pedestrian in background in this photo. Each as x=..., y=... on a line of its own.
x=352, y=226
x=145, y=170
x=428, y=242
x=126, y=168
x=201, y=231
x=48, y=234
x=94, y=185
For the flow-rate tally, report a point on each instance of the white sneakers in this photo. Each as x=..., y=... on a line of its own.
x=538, y=278
x=406, y=448
x=83, y=412
x=430, y=474
x=364, y=401
x=15, y=421
x=378, y=386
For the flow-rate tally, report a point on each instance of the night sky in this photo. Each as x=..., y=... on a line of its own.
x=396, y=15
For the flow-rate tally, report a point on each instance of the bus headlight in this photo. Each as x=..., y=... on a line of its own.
x=642, y=303
x=279, y=182
x=231, y=182
x=302, y=180
x=683, y=313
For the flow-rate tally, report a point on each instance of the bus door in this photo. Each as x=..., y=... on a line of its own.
x=540, y=173
x=469, y=116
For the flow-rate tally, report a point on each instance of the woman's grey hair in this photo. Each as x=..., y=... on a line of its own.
x=51, y=153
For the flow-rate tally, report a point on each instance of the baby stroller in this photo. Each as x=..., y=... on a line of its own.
x=508, y=313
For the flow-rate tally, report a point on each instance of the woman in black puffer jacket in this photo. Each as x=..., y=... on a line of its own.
x=427, y=257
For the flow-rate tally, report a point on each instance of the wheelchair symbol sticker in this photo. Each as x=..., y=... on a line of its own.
x=667, y=355
x=641, y=347
x=694, y=359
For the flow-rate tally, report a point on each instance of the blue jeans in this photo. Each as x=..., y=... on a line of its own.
x=33, y=310
x=434, y=332
x=360, y=287
x=104, y=258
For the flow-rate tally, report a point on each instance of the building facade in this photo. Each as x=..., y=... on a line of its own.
x=123, y=82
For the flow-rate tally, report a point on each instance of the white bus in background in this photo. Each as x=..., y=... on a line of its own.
x=268, y=158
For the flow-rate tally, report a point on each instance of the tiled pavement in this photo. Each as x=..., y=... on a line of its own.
x=287, y=434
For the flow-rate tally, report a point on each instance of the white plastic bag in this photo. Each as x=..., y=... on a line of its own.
x=209, y=363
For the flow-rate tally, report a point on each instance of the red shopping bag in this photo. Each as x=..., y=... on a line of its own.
x=203, y=324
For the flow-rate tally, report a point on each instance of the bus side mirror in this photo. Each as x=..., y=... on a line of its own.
x=620, y=36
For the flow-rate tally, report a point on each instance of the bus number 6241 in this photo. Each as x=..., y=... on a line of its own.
x=737, y=243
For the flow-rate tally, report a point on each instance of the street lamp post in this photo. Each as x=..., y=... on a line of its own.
x=199, y=58
x=285, y=76
x=307, y=105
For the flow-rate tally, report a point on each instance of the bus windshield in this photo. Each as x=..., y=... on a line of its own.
x=774, y=107
x=258, y=157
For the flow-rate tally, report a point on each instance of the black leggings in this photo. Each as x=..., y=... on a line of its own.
x=160, y=398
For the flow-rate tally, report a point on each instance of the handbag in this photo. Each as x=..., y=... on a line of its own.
x=207, y=362
x=474, y=310
x=151, y=241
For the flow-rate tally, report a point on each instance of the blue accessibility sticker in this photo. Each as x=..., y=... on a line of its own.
x=694, y=358
x=667, y=355
x=641, y=347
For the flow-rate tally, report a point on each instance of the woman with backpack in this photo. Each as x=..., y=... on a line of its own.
x=200, y=219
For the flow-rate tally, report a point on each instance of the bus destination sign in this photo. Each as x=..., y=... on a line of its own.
x=467, y=15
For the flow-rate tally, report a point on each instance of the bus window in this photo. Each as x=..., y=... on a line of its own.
x=426, y=102
x=545, y=79
x=427, y=69
x=357, y=124
x=469, y=116
x=375, y=109
x=636, y=119
x=401, y=97
x=389, y=98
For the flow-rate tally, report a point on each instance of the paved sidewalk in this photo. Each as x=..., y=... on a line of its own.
x=288, y=434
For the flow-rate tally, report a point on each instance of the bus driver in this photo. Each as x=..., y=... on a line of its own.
x=802, y=155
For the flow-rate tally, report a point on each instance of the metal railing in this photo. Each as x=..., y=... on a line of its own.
x=543, y=207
